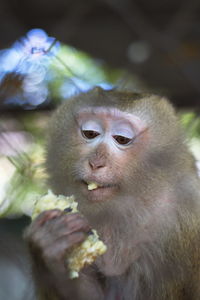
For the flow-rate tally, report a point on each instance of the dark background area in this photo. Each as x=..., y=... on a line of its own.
x=157, y=40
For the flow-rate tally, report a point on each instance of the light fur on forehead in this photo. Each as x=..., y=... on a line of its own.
x=113, y=113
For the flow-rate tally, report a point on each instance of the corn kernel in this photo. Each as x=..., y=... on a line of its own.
x=92, y=186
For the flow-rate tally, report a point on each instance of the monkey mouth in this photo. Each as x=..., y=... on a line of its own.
x=92, y=185
x=98, y=191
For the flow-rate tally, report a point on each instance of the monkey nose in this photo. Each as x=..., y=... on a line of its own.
x=96, y=164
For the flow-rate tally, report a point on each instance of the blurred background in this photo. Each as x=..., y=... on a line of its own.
x=51, y=50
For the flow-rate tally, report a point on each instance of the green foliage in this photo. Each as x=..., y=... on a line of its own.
x=191, y=123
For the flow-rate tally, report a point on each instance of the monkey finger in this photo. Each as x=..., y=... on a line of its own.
x=57, y=252
x=55, y=225
x=38, y=233
x=46, y=216
x=68, y=224
x=41, y=220
x=65, y=232
x=38, y=239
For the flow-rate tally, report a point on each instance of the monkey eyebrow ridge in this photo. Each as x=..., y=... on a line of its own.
x=112, y=112
x=107, y=111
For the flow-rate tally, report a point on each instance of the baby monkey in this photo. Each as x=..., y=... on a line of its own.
x=123, y=156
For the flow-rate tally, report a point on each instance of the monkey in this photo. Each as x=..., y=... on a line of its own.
x=146, y=207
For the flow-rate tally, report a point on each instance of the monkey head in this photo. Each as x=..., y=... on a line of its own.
x=124, y=143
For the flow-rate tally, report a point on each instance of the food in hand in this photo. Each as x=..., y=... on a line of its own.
x=87, y=251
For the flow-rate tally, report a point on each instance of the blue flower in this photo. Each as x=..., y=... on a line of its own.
x=36, y=44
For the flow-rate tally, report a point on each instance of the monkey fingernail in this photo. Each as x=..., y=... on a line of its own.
x=90, y=232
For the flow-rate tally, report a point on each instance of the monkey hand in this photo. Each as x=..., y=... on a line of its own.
x=51, y=237
x=82, y=254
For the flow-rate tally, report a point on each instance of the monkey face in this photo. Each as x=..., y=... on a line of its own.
x=107, y=140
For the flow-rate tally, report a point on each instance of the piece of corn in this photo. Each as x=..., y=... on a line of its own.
x=92, y=186
x=87, y=251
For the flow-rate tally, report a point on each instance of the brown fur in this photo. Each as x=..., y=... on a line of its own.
x=152, y=225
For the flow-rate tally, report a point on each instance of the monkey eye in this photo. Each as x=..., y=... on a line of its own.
x=122, y=140
x=89, y=134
